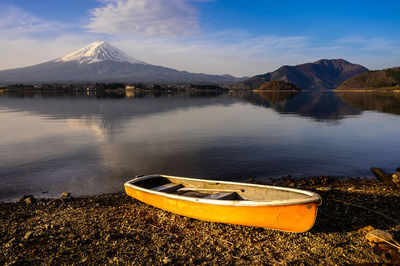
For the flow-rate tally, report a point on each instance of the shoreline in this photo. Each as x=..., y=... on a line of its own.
x=114, y=228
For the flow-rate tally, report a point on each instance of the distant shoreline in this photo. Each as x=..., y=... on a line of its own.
x=366, y=90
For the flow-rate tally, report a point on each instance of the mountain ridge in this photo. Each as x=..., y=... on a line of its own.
x=102, y=62
x=324, y=74
x=385, y=79
x=99, y=51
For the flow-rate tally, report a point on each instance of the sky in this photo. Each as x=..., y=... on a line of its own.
x=237, y=37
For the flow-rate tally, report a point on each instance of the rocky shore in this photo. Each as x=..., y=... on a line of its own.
x=117, y=229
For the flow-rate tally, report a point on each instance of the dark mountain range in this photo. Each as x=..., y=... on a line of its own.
x=320, y=75
x=386, y=79
x=102, y=62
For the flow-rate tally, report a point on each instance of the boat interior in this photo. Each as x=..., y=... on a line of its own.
x=217, y=190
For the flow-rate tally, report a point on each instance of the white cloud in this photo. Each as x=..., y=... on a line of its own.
x=15, y=21
x=220, y=53
x=25, y=51
x=26, y=39
x=377, y=44
x=32, y=40
x=144, y=17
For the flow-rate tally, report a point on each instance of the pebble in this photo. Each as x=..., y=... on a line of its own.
x=29, y=199
x=23, y=197
x=10, y=243
x=65, y=195
x=366, y=229
x=396, y=178
x=28, y=235
x=166, y=260
x=324, y=189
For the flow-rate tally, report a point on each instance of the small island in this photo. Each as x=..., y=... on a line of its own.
x=277, y=85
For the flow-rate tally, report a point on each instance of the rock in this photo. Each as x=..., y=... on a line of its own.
x=366, y=229
x=324, y=189
x=166, y=260
x=55, y=227
x=383, y=176
x=10, y=243
x=378, y=236
x=23, y=197
x=66, y=196
x=29, y=199
x=395, y=256
x=291, y=184
x=396, y=178
x=28, y=235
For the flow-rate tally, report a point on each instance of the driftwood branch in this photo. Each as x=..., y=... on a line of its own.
x=362, y=207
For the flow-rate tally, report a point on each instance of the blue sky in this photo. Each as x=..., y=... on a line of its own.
x=220, y=36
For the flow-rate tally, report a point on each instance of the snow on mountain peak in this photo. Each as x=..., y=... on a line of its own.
x=97, y=52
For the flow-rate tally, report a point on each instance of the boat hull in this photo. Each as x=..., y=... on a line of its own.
x=293, y=218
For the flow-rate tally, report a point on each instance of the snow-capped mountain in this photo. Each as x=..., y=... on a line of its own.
x=102, y=62
x=97, y=52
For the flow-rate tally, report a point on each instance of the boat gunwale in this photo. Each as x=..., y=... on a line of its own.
x=313, y=197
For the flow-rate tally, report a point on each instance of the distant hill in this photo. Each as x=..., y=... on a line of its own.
x=102, y=62
x=321, y=75
x=386, y=79
x=277, y=85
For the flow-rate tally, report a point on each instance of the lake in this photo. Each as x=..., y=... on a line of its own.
x=91, y=144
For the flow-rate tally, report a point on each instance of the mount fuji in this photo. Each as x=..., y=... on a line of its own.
x=102, y=62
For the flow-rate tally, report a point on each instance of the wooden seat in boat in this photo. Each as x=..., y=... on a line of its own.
x=222, y=196
x=167, y=188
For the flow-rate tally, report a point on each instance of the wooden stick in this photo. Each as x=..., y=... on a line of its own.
x=396, y=246
x=355, y=205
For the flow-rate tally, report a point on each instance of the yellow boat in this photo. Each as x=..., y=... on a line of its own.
x=279, y=208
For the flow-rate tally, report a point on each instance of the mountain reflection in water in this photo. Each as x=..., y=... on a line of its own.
x=386, y=102
x=88, y=143
x=323, y=106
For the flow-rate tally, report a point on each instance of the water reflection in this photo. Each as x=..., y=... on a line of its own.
x=88, y=144
x=322, y=106
x=105, y=112
x=387, y=102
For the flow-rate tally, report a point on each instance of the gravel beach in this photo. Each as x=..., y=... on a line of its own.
x=118, y=229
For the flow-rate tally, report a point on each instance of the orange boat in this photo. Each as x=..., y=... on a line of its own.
x=279, y=208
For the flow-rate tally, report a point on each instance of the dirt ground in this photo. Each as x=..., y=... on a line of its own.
x=118, y=229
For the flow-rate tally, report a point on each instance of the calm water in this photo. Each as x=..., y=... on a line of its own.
x=91, y=145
